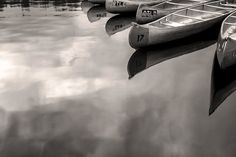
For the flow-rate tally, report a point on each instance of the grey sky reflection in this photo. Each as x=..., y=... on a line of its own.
x=65, y=92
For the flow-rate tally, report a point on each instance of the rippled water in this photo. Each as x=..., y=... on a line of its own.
x=72, y=86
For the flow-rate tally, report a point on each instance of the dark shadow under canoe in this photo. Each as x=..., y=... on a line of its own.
x=119, y=23
x=223, y=84
x=97, y=12
x=144, y=58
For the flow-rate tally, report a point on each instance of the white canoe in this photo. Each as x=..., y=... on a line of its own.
x=97, y=12
x=124, y=6
x=223, y=84
x=118, y=23
x=226, y=46
x=85, y=6
x=179, y=24
x=145, y=58
x=148, y=13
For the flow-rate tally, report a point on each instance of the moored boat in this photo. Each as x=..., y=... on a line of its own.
x=97, y=12
x=125, y=6
x=226, y=46
x=148, y=13
x=85, y=6
x=145, y=58
x=223, y=84
x=179, y=24
x=118, y=23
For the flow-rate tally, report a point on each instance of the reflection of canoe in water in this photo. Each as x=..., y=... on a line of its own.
x=124, y=6
x=179, y=24
x=118, y=23
x=223, y=84
x=97, y=12
x=226, y=47
x=142, y=59
x=85, y=6
x=148, y=13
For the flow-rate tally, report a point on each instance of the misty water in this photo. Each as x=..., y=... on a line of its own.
x=71, y=86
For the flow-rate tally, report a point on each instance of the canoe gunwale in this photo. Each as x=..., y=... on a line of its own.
x=128, y=5
x=151, y=24
x=176, y=4
x=224, y=22
x=224, y=40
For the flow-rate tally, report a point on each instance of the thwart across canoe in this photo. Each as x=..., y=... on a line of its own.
x=148, y=13
x=179, y=24
x=226, y=46
x=124, y=6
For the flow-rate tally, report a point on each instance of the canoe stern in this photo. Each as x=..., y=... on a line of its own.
x=120, y=6
x=147, y=14
x=226, y=52
x=138, y=36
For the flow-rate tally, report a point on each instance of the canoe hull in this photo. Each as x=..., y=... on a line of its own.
x=157, y=35
x=226, y=52
x=118, y=23
x=124, y=6
x=146, y=14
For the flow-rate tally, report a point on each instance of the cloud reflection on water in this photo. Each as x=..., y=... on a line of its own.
x=65, y=92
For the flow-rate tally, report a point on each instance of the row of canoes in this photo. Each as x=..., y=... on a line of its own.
x=223, y=78
x=191, y=21
x=180, y=24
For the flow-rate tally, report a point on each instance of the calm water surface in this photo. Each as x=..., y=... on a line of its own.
x=65, y=88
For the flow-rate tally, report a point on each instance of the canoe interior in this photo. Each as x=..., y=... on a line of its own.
x=193, y=15
x=176, y=4
x=229, y=26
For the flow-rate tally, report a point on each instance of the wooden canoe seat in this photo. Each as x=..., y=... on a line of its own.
x=182, y=20
x=206, y=11
x=233, y=16
x=171, y=23
x=177, y=3
x=229, y=23
x=218, y=7
x=189, y=17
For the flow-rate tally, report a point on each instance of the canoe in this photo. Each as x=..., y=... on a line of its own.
x=97, y=12
x=145, y=58
x=125, y=6
x=85, y=6
x=179, y=24
x=118, y=23
x=223, y=84
x=226, y=46
x=97, y=1
x=148, y=13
